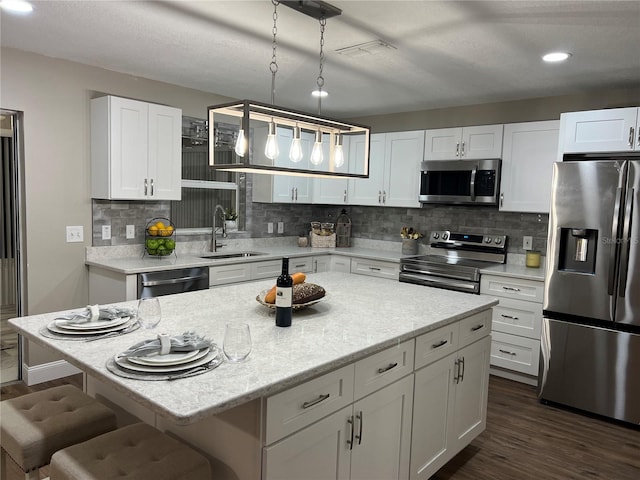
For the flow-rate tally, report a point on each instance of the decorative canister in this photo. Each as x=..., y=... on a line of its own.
x=303, y=241
x=409, y=246
x=343, y=230
x=533, y=259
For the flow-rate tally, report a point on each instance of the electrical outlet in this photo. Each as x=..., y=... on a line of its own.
x=131, y=231
x=106, y=232
x=75, y=234
x=280, y=227
x=527, y=243
x=270, y=227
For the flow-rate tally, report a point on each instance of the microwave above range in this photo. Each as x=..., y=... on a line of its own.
x=460, y=182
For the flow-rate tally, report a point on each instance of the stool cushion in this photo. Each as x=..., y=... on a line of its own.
x=137, y=451
x=36, y=425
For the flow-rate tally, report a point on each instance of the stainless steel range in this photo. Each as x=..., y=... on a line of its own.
x=454, y=260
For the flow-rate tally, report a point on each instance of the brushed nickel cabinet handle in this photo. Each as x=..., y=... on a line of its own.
x=379, y=196
x=384, y=196
x=477, y=327
x=344, y=197
x=439, y=344
x=320, y=398
x=509, y=317
x=296, y=194
x=146, y=186
x=456, y=377
x=507, y=352
x=462, y=374
x=292, y=194
x=375, y=269
x=462, y=151
x=457, y=149
x=352, y=428
x=152, y=189
x=388, y=367
x=631, y=136
x=511, y=289
x=501, y=199
x=359, y=417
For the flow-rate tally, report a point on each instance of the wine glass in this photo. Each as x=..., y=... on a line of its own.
x=237, y=342
x=149, y=312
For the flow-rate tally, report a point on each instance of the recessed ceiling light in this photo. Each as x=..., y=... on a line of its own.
x=320, y=93
x=16, y=6
x=556, y=57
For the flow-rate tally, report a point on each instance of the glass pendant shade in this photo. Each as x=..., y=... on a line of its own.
x=271, y=150
x=338, y=152
x=317, y=157
x=241, y=144
x=295, y=152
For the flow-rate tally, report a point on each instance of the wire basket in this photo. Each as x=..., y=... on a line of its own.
x=322, y=241
x=159, y=238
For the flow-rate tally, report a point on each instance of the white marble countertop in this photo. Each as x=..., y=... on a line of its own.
x=137, y=264
x=516, y=271
x=359, y=316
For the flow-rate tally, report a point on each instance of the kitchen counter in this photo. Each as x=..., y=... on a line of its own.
x=133, y=265
x=517, y=271
x=359, y=316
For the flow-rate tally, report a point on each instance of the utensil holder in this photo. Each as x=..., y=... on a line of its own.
x=409, y=246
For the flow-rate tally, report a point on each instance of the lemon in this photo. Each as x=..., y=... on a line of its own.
x=160, y=225
x=153, y=230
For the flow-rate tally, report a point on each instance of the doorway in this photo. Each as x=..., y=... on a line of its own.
x=11, y=238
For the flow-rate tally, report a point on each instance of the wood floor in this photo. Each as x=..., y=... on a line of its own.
x=524, y=440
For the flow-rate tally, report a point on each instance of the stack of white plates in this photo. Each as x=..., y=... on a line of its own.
x=169, y=363
x=98, y=327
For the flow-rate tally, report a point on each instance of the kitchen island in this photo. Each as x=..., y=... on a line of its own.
x=226, y=412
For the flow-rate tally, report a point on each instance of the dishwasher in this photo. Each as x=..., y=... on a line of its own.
x=166, y=282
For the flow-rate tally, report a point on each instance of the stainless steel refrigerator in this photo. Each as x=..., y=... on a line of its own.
x=591, y=327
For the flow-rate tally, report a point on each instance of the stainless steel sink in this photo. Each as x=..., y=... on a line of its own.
x=223, y=255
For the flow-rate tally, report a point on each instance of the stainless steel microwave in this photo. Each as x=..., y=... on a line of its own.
x=460, y=182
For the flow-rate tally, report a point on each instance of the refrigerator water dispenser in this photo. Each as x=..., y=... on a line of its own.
x=578, y=250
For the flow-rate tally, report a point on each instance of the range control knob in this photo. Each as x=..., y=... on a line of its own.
x=436, y=235
x=498, y=240
x=487, y=240
x=445, y=236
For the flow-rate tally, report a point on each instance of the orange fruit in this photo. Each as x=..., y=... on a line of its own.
x=160, y=225
x=153, y=230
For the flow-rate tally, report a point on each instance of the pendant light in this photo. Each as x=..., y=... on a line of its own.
x=271, y=150
x=295, y=152
x=317, y=155
x=338, y=153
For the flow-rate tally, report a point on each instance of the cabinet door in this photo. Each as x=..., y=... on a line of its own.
x=288, y=188
x=612, y=130
x=322, y=264
x=433, y=401
x=127, y=129
x=165, y=153
x=483, y=141
x=442, y=144
x=368, y=191
x=529, y=152
x=375, y=268
x=403, y=154
x=319, y=452
x=334, y=191
x=470, y=410
x=340, y=264
x=382, y=436
x=301, y=264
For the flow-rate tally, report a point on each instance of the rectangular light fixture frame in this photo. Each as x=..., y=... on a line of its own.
x=254, y=117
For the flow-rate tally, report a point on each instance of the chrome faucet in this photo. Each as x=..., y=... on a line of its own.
x=214, y=232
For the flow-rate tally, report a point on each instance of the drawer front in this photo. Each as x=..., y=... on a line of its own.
x=515, y=353
x=270, y=269
x=474, y=327
x=435, y=345
x=293, y=409
x=300, y=264
x=375, y=269
x=531, y=290
x=340, y=264
x=225, y=274
x=518, y=318
x=383, y=368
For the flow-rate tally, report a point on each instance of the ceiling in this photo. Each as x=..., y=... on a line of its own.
x=446, y=53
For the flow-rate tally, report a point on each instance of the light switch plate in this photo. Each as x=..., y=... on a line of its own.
x=75, y=234
x=527, y=243
x=270, y=227
x=106, y=232
x=280, y=227
x=131, y=231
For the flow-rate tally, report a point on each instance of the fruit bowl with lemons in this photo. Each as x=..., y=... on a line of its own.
x=159, y=237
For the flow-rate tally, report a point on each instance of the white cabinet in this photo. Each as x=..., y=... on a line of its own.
x=612, y=130
x=340, y=264
x=517, y=323
x=457, y=385
x=375, y=268
x=232, y=273
x=483, y=141
x=394, y=171
x=334, y=191
x=136, y=150
x=322, y=264
x=528, y=154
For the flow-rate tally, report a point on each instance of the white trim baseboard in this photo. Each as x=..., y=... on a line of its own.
x=45, y=372
x=518, y=377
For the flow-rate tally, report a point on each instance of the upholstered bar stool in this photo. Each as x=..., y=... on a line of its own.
x=36, y=425
x=134, y=452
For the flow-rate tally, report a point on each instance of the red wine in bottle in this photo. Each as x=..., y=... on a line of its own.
x=284, y=296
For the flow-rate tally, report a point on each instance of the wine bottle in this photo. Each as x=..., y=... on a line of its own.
x=284, y=296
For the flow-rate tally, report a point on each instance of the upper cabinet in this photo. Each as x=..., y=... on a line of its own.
x=135, y=150
x=394, y=170
x=612, y=130
x=478, y=142
x=529, y=152
x=334, y=191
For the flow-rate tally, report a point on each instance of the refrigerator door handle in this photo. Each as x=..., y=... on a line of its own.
x=614, y=242
x=545, y=354
x=626, y=244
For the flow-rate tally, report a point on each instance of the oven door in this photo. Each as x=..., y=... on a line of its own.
x=460, y=181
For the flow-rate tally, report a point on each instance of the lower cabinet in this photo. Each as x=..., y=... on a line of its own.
x=457, y=385
x=375, y=268
x=368, y=440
